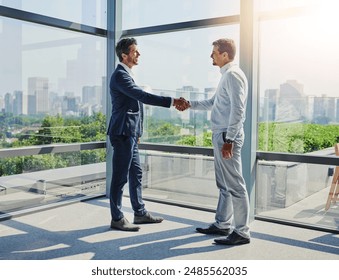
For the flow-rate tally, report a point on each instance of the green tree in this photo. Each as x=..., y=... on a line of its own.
x=11, y=166
x=93, y=128
x=191, y=140
x=50, y=131
x=55, y=129
x=297, y=137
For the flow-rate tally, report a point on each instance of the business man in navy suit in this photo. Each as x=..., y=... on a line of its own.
x=125, y=129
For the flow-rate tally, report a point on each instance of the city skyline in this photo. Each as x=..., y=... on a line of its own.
x=287, y=103
x=150, y=89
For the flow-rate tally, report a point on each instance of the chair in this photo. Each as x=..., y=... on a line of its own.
x=334, y=190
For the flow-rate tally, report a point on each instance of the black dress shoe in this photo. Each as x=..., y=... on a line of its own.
x=212, y=229
x=232, y=239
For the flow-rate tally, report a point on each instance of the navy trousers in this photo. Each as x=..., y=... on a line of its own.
x=126, y=168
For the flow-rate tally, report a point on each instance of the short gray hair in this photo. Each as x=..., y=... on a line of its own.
x=226, y=45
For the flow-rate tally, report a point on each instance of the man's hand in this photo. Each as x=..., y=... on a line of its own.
x=227, y=150
x=181, y=104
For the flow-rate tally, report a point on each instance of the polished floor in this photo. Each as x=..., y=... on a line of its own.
x=80, y=231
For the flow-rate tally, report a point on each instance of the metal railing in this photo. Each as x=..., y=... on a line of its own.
x=51, y=149
x=62, y=148
x=326, y=160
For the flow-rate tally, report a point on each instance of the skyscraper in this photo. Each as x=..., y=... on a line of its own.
x=292, y=102
x=38, y=100
x=19, y=103
x=270, y=104
x=8, y=103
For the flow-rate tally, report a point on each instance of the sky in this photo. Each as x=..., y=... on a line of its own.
x=304, y=49
x=298, y=48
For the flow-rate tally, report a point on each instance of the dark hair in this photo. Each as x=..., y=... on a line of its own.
x=226, y=45
x=123, y=46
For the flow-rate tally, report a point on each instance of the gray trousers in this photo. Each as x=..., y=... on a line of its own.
x=233, y=205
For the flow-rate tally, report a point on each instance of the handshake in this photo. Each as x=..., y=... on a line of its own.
x=181, y=104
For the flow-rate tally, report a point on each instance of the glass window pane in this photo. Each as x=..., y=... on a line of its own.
x=165, y=174
x=88, y=12
x=299, y=108
x=141, y=13
x=185, y=58
x=296, y=192
x=50, y=78
x=179, y=64
x=39, y=180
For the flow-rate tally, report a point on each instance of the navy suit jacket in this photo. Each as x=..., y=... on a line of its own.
x=127, y=104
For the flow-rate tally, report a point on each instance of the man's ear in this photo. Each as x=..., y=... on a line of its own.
x=225, y=57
